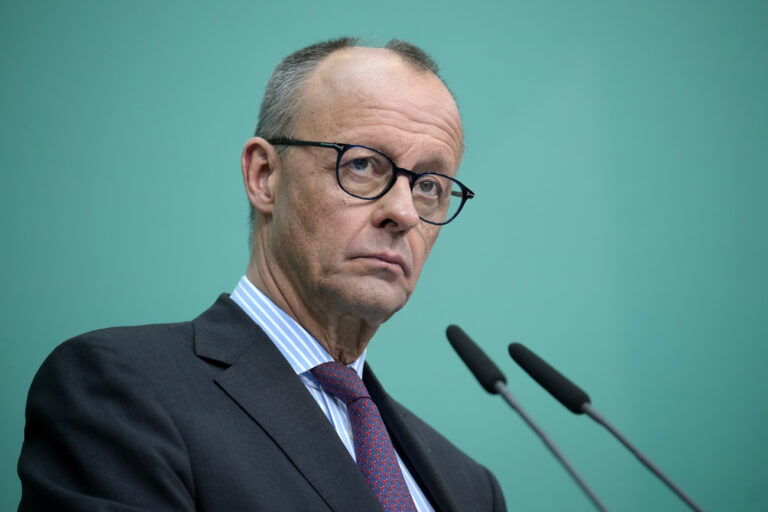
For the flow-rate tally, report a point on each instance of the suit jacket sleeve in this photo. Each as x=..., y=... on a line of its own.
x=95, y=439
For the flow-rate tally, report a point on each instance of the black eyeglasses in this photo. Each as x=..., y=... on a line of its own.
x=367, y=173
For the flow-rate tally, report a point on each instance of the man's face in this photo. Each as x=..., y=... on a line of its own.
x=338, y=254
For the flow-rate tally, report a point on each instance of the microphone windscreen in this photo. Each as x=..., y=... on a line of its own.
x=487, y=373
x=566, y=392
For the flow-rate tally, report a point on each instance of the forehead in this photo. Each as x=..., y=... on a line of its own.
x=373, y=95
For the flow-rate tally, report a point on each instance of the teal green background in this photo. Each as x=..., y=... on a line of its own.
x=619, y=152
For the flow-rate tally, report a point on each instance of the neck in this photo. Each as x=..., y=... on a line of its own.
x=343, y=336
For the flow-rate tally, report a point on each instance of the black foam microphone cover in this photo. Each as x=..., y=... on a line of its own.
x=565, y=391
x=484, y=370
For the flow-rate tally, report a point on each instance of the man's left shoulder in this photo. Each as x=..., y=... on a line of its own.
x=444, y=468
x=438, y=446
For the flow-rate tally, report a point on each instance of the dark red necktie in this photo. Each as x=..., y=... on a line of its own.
x=373, y=448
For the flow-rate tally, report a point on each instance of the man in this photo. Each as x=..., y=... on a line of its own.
x=258, y=404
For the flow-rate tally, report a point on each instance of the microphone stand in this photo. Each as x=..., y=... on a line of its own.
x=502, y=389
x=599, y=418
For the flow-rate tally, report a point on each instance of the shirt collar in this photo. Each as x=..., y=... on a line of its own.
x=302, y=351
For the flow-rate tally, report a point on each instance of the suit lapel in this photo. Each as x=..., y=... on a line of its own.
x=265, y=386
x=410, y=447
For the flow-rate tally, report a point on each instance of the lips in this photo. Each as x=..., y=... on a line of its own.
x=390, y=258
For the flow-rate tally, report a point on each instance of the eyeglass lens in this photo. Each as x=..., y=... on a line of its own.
x=366, y=173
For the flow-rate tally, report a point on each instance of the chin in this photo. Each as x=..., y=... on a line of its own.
x=376, y=301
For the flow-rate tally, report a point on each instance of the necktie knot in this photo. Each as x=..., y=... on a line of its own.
x=340, y=381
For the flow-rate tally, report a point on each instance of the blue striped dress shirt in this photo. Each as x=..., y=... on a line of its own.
x=303, y=352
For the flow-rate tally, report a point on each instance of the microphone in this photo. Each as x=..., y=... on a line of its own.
x=484, y=370
x=494, y=382
x=566, y=392
x=578, y=402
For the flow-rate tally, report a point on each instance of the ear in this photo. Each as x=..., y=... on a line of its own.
x=259, y=163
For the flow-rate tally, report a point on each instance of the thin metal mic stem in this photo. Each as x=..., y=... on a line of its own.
x=592, y=413
x=501, y=388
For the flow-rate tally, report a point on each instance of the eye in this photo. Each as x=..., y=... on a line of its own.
x=364, y=163
x=427, y=187
x=361, y=165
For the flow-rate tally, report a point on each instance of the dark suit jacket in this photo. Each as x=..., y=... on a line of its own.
x=207, y=415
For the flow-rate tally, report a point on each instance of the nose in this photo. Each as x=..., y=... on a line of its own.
x=395, y=210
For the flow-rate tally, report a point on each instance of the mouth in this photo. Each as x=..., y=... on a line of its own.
x=389, y=261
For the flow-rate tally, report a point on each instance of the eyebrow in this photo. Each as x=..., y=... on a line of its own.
x=432, y=163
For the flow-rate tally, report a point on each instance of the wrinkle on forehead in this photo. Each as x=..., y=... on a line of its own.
x=438, y=124
x=357, y=88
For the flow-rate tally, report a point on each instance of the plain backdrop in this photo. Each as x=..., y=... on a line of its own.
x=619, y=153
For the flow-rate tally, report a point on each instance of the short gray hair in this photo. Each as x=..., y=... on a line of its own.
x=279, y=107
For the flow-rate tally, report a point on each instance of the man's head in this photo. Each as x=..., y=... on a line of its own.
x=317, y=250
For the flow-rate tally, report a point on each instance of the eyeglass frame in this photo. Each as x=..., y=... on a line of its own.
x=341, y=148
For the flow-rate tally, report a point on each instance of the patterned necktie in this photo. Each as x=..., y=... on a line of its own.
x=373, y=447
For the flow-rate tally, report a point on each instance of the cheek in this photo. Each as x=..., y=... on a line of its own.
x=318, y=224
x=295, y=225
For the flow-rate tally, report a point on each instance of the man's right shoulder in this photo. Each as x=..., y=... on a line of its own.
x=111, y=394
x=131, y=354
x=140, y=341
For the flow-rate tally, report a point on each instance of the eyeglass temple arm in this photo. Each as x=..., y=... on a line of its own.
x=294, y=142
